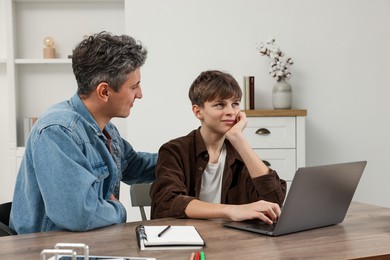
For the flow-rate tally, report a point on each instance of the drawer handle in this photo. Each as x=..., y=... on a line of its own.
x=263, y=131
x=266, y=163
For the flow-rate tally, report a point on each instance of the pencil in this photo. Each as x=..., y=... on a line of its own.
x=192, y=257
x=165, y=229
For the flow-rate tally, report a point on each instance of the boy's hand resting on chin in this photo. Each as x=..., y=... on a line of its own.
x=241, y=122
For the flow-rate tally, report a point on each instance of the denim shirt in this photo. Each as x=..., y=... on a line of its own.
x=68, y=173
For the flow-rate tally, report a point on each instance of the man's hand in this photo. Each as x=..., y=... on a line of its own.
x=112, y=197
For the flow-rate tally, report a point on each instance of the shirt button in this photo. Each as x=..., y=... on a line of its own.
x=200, y=169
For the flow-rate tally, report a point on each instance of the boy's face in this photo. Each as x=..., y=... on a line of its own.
x=218, y=116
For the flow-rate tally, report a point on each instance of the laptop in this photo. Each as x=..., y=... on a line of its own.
x=319, y=196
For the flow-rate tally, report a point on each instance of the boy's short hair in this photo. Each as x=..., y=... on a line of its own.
x=211, y=85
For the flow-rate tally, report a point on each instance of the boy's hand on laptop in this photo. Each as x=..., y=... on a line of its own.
x=268, y=212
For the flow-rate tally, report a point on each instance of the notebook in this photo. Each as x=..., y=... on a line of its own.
x=61, y=257
x=319, y=196
x=168, y=237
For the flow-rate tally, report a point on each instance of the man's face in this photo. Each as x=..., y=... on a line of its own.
x=121, y=102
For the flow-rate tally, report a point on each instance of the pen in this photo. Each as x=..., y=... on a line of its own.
x=162, y=232
x=192, y=257
x=202, y=256
x=197, y=256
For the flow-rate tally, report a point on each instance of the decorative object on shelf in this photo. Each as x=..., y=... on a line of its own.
x=282, y=95
x=249, y=92
x=282, y=91
x=49, y=52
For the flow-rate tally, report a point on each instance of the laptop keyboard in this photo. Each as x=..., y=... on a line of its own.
x=258, y=224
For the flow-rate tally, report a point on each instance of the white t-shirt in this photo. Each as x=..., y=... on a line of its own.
x=210, y=190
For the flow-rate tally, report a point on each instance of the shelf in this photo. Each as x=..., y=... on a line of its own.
x=35, y=20
x=43, y=61
x=275, y=112
x=68, y=1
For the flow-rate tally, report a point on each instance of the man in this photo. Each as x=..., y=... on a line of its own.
x=75, y=158
x=213, y=172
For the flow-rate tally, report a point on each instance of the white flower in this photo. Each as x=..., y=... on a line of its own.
x=279, y=66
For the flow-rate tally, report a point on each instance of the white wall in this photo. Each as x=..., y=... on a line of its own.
x=341, y=72
x=341, y=50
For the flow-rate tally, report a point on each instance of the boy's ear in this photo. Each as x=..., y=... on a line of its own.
x=196, y=111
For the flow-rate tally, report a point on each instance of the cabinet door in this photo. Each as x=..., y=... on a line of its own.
x=271, y=132
x=281, y=160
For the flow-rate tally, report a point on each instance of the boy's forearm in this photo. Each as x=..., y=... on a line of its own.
x=204, y=210
x=254, y=164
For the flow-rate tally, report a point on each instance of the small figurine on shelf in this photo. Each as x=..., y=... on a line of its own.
x=49, y=52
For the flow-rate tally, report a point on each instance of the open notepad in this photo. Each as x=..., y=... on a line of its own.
x=175, y=237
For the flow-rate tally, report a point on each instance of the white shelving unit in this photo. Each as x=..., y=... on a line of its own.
x=31, y=83
x=6, y=174
x=3, y=49
x=37, y=83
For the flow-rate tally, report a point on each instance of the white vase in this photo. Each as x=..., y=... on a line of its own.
x=282, y=95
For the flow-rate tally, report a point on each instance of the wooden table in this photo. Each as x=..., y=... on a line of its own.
x=365, y=232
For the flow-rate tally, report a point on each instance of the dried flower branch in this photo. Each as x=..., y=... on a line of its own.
x=279, y=66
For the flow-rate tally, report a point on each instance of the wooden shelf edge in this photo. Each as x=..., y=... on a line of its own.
x=275, y=112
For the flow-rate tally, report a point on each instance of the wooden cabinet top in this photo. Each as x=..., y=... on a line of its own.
x=275, y=112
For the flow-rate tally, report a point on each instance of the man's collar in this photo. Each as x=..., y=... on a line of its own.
x=82, y=110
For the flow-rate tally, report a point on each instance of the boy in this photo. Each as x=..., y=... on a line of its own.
x=213, y=172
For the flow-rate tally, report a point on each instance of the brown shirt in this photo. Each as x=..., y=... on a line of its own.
x=179, y=170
